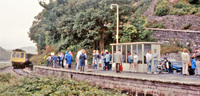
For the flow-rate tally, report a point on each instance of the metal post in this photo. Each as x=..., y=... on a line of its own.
x=117, y=20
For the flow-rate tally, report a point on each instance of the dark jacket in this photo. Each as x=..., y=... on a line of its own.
x=82, y=59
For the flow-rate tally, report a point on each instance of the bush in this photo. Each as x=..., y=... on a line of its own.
x=162, y=10
x=179, y=5
x=194, y=1
x=187, y=26
x=180, y=12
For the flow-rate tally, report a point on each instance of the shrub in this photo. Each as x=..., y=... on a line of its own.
x=194, y=1
x=162, y=10
x=187, y=26
x=180, y=12
x=179, y=5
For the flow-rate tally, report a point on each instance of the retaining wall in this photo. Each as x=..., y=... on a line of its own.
x=141, y=87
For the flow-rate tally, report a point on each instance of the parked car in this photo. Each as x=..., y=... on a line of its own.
x=177, y=66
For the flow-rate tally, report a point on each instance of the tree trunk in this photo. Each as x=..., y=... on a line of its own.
x=94, y=45
x=101, y=43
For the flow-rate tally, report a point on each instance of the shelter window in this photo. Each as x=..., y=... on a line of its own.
x=124, y=54
x=139, y=53
x=22, y=55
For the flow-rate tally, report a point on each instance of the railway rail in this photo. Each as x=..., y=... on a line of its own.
x=20, y=72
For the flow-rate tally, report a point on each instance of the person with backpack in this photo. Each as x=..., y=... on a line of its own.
x=82, y=59
x=108, y=58
x=130, y=61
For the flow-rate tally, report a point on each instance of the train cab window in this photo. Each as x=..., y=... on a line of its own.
x=13, y=55
x=17, y=55
x=22, y=55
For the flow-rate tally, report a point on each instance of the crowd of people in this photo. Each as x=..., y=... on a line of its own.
x=103, y=60
x=63, y=61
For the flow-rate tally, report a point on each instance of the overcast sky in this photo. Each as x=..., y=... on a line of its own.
x=16, y=17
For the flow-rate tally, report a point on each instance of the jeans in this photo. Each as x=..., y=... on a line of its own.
x=69, y=66
x=149, y=66
x=155, y=65
x=48, y=63
x=108, y=65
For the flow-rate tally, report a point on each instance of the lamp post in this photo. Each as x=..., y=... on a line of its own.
x=117, y=19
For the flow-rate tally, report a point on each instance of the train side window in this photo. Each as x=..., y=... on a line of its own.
x=22, y=55
x=17, y=55
x=13, y=55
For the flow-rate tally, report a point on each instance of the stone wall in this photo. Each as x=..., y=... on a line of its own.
x=176, y=56
x=141, y=87
x=173, y=21
x=184, y=37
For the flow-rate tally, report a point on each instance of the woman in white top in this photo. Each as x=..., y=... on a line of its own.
x=135, y=60
x=149, y=59
x=185, y=61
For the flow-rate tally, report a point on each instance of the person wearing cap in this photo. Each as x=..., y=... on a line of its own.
x=197, y=54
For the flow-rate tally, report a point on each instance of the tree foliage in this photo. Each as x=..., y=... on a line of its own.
x=76, y=24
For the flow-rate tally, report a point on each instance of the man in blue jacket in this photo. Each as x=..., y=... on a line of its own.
x=66, y=59
x=69, y=59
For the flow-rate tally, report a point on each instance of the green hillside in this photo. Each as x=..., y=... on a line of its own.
x=4, y=54
x=177, y=7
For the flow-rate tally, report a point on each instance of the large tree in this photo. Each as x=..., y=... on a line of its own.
x=78, y=23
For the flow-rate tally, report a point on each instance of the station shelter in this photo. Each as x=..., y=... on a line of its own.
x=141, y=48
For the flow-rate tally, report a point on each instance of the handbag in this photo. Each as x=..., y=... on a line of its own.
x=189, y=64
x=121, y=67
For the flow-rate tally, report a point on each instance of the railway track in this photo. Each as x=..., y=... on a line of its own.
x=20, y=72
x=6, y=68
x=10, y=69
